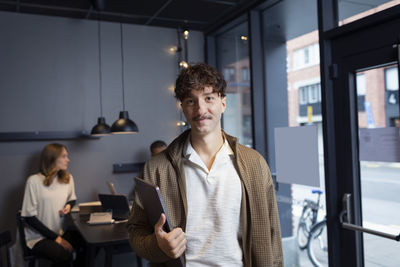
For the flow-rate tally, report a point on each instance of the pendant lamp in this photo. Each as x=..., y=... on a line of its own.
x=123, y=125
x=101, y=128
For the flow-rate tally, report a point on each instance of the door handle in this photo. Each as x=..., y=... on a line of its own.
x=345, y=220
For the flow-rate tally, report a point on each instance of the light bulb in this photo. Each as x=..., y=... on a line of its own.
x=173, y=49
x=183, y=64
x=186, y=34
x=244, y=38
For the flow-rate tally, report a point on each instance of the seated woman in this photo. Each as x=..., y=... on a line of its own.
x=49, y=196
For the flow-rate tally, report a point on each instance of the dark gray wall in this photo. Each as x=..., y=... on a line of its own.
x=49, y=82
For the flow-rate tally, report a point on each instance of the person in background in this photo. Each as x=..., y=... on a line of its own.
x=219, y=194
x=48, y=198
x=157, y=146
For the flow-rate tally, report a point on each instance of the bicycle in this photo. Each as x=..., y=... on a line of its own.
x=307, y=219
x=317, y=245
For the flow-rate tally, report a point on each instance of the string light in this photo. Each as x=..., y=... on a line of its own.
x=171, y=88
x=183, y=64
x=173, y=49
x=244, y=38
x=186, y=34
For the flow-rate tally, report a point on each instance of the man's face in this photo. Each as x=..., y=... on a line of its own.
x=203, y=110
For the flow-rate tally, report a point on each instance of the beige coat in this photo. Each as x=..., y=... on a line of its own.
x=259, y=214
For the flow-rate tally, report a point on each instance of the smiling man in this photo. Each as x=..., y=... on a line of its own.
x=219, y=194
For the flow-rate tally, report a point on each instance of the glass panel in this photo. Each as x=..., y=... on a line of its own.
x=233, y=62
x=392, y=79
x=351, y=10
x=291, y=47
x=379, y=167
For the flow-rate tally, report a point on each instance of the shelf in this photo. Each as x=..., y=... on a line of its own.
x=128, y=167
x=45, y=136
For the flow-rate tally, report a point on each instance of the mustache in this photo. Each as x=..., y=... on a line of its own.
x=201, y=117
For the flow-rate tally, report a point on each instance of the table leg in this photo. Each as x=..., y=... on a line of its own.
x=109, y=254
x=90, y=256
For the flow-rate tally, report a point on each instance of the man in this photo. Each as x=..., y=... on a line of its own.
x=219, y=195
x=157, y=147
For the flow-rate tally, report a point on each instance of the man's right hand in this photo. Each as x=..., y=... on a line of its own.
x=173, y=243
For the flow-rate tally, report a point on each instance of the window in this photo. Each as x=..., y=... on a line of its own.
x=245, y=74
x=229, y=74
x=291, y=56
x=310, y=94
x=298, y=60
x=391, y=79
x=350, y=11
x=233, y=61
x=303, y=95
x=361, y=84
x=313, y=94
x=306, y=57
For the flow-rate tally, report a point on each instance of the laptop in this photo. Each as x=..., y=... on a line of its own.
x=118, y=204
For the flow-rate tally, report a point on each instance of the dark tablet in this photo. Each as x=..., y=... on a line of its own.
x=153, y=204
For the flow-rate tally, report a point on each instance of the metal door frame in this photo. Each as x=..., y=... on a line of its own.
x=361, y=44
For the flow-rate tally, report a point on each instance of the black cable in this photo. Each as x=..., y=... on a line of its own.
x=122, y=62
x=100, y=75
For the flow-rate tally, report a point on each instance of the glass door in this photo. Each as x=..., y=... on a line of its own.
x=367, y=134
x=377, y=113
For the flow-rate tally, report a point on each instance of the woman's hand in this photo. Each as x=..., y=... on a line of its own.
x=65, y=210
x=64, y=243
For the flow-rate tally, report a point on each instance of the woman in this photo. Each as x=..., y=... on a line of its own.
x=49, y=196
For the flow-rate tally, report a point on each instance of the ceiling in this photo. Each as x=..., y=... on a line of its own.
x=186, y=14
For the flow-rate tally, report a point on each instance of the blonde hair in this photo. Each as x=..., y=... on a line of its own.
x=48, y=158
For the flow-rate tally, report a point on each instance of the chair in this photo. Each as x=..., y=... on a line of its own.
x=5, y=240
x=29, y=257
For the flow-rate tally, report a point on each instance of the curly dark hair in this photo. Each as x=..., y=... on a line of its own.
x=156, y=144
x=196, y=77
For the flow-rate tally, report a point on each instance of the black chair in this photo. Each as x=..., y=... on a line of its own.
x=5, y=240
x=29, y=257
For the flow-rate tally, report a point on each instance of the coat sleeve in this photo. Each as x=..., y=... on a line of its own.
x=275, y=231
x=141, y=234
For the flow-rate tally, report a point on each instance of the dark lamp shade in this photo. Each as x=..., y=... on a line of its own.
x=101, y=128
x=124, y=125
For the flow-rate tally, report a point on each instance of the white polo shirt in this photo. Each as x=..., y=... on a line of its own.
x=213, y=229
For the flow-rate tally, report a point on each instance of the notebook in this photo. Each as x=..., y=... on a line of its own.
x=100, y=218
x=118, y=204
x=153, y=204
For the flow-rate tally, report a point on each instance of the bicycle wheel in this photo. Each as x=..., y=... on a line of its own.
x=318, y=245
x=303, y=228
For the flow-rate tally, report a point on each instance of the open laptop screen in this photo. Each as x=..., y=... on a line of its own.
x=118, y=204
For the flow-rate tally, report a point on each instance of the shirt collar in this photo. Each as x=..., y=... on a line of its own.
x=188, y=150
